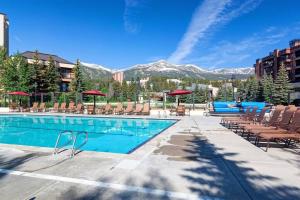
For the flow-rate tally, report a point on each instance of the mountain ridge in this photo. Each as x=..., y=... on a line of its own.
x=163, y=68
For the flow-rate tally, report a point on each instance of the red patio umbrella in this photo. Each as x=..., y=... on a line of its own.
x=179, y=92
x=94, y=93
x=18, y=93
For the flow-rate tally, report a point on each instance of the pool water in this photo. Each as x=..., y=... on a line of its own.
x=116, y=135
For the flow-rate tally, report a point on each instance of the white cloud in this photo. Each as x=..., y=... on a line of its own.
x=207, y=16
x=130, y=16
x=235, y=52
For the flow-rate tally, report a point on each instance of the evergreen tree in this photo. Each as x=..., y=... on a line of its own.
x=53, y=76
x=268, y=88
x=77, y=84
x=40, y=77
x=224, y=93
x=282, y=87
x=252, y=89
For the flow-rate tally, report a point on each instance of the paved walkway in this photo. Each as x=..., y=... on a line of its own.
x=195, y=159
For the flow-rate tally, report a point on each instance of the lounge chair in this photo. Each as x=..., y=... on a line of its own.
x=247, y=119
x=292, y=132
x=138, y=109
x=100, y=110
x=90, y=109
x=42, y=107
x=108, y=109
x=34, y=107
x=129, y=109
x=225, y=120
x=62, y=107
x=281, y=125
x=13, y=107
x=55, y=107
x=173, y=110
x=146, y=109
x=71, y=107
x=258, y=120
x=119, y=109
x=180, y=111
x=79, y=109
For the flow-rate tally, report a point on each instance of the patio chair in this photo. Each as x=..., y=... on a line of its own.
x=281, y=125
x=42, y=107
x=78, y=109
x=62, y=107
x=71, y=107
x=108, y=109
x=173, y=110
x=119, y=109
x=146, y=109
x=273, y=122
x=90, y=109
x=180, y=111
x=225, y=120
x=245, y=120
x=55, y=107
x=13, y=107
x=129, y=109
x=34, y=107
x=292, y=132
x=138, y=109
x=258, y=119
x=100, y=110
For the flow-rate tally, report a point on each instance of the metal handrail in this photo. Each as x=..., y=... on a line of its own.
x=56, y=148
x=74, y=142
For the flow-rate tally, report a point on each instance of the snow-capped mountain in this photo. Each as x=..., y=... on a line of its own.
x=242, y=70
x=165, y=69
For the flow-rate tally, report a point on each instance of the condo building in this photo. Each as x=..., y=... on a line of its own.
x=288, y=57
x=4, y=34
x=118, y=76
x=64, y=67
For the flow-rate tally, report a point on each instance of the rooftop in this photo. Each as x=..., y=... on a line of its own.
x=45, y=57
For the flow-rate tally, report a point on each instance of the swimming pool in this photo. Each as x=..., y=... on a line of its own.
x=115, y=135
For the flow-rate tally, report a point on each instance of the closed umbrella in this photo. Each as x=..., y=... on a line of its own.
x=94, y=93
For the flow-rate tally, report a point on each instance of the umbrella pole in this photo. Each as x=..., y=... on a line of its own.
x=94, y=104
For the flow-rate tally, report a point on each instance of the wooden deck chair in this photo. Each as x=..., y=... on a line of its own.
x=42, y=107
x=34, y=107
x=138, y=109
x=129, y=108
x=62, y=107
x=119, y=109
x=180, y=111
x=55, y=107
x=146, y=109
x=71, y=107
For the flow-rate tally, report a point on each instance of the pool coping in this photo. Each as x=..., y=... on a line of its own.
x=135, y=153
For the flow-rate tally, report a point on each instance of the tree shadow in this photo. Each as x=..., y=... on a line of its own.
x=222, y=177
x=157, y=181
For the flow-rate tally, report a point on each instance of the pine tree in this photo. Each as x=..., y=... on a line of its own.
x=53, y=76
x=282, y=87
x=268, y=88
x=77, y=84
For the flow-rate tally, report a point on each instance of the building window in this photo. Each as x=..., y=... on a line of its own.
x=64, y=87
x=297, y=62
x=297, y=53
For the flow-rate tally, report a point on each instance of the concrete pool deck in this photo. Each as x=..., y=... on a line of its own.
x=195, y=159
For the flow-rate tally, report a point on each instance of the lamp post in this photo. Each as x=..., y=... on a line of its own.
x=233, y=78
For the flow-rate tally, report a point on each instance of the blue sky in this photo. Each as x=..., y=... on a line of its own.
x=121, y=33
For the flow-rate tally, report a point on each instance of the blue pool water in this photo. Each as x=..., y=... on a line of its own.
x=116, y=135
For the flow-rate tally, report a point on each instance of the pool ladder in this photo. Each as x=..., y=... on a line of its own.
x=73, y=138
